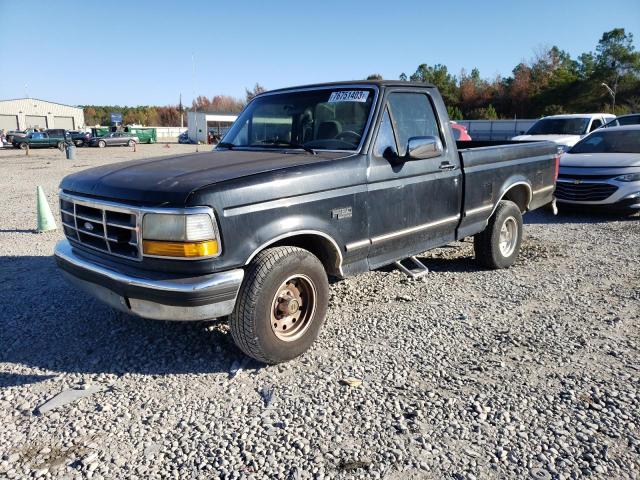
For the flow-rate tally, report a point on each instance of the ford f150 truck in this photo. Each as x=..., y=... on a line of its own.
x=310, y=183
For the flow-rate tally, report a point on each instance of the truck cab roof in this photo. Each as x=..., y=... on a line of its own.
x=372, y=83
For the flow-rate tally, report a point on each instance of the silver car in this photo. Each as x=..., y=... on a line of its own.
x=602, y=170
x=114, y=138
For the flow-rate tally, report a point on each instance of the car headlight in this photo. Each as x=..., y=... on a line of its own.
x=629, y=177
x=180, y=235
x=563, y=148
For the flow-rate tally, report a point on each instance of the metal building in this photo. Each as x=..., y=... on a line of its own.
x=23, y=113
x=201, y=123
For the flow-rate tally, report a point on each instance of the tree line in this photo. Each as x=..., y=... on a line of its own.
x=169, y=115
x=607, y=79
x=552, y=82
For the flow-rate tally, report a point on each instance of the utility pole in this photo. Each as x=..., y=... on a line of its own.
x=195, y=104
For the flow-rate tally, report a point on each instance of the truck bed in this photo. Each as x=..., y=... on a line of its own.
x=491, y=168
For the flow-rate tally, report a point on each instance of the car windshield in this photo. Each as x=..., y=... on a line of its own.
x=323, y=119
x=559, y=126
x=626, y=120
x=607, y=141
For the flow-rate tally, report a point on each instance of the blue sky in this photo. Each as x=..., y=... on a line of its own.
x=140, y=53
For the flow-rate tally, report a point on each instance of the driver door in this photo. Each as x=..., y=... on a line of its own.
x=413, y=204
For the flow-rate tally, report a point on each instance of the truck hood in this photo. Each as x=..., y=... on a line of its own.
x=603, y=160
x=569, y=140
x=170, y=180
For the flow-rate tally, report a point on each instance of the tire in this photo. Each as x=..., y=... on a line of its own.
x=102, y=144
x=23, y=146
x=263, y=311
x=60, y=146
x=499, y=244
x=131, y=143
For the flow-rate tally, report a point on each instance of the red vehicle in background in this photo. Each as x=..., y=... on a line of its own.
x=459, y=132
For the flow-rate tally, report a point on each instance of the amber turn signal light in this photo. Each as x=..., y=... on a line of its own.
x=207, y=248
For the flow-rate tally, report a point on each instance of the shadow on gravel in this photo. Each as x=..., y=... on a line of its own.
x=578, y=216
x=46, y=323
x=16, y=379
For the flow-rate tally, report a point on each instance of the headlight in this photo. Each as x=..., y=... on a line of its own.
x=629, y=177
x=563, y=148
x=180, y=235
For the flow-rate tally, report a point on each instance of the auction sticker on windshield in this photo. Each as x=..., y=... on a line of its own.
x=349, y=96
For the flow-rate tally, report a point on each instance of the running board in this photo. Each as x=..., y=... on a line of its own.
x=416, y=271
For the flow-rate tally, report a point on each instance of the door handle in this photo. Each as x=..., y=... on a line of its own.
x=447, y=166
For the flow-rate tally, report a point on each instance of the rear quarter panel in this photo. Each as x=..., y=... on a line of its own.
x=489, y=172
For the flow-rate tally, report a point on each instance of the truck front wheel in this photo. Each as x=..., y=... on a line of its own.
x=499, y=244
x=281, y=305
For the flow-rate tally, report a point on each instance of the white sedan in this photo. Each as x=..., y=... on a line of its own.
x=602, y=170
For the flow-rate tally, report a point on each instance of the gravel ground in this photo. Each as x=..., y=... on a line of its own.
x=530, y=372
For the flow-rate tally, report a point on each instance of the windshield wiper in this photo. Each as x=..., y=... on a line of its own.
x=275, y=141
x=227, y=145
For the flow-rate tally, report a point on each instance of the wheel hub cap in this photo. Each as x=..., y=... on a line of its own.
x=508, y=236
x=293, y=307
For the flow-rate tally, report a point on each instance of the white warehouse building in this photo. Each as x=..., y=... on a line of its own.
x=23, y=113
x=201, y=123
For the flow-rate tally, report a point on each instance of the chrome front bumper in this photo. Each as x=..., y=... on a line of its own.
x=183, y=299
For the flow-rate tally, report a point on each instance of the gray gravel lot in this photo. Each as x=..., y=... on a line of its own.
x=531, y=372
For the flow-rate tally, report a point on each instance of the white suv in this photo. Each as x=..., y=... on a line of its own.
x=565, y=130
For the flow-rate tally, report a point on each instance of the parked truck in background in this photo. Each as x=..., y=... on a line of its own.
x=313, y=182
x=49, y=138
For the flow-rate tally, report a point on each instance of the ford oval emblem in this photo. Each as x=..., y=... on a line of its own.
x=88, y=226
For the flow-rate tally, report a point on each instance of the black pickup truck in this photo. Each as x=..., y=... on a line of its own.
x=310, y=183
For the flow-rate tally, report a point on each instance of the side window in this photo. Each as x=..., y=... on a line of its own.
x=413, y=116
x=242, y=137
x=385, y=137
x=597, y=123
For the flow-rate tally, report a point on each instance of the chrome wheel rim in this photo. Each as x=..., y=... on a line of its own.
x=293, y=307
x=508, y=236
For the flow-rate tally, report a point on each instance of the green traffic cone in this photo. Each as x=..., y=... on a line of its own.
x=46, y=221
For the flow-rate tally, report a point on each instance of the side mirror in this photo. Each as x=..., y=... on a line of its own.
x=521, y=132
x=420, y=148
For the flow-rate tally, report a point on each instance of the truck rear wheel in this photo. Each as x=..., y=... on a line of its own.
x=499, y=244
x=281, y=305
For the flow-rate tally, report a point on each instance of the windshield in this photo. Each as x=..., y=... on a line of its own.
x=327, y=119
x=559, y=126
x=609, y=142
x=626, y=120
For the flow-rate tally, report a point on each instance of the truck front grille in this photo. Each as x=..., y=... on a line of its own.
x=584, y=192
x=100, y=226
